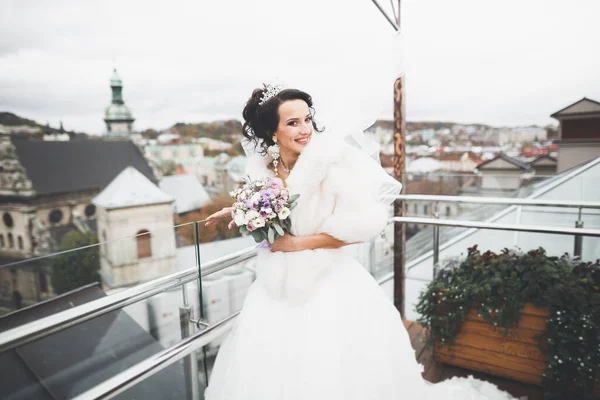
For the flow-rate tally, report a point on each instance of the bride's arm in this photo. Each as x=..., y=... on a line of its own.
x=289, y=242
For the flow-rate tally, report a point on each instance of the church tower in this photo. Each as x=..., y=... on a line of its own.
x=118, y=118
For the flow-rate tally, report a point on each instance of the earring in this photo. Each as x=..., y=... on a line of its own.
x=274, y=153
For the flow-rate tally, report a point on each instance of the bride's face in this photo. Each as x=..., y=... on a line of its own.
x=295, y=127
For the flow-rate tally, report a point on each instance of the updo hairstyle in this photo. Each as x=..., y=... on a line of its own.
x=261, y=121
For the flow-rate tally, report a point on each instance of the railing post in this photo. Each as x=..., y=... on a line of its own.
x=436, y=241
x=200, y=298
x=578, y=238
x=399, y=174
x=191, y=363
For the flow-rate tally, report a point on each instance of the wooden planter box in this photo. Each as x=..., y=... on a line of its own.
x=516, y=356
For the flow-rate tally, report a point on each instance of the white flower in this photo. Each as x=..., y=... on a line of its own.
x=240, y=219
x=255, y=198
x=284, y=213
x=259, y=222
x=252, y=214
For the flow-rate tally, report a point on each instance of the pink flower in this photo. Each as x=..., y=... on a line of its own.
x=285, y=194
x=250, y=226
x=276, y=183
x=277, y=206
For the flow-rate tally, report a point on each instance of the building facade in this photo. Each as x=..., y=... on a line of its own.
x=579, y=133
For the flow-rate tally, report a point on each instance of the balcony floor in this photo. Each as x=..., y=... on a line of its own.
x=437, y=372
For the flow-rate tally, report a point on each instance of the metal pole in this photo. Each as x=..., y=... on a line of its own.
x=191, y=363
x=436, y=241
x=578, y=238
x=201, y=300
x=392, y=22
x=399, y=206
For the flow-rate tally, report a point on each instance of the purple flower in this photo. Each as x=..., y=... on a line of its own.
x=265, y=212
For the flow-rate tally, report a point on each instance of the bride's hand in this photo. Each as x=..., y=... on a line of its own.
x=286, y=243
x=215, y=218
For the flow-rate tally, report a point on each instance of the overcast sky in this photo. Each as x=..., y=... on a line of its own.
x=510, y=62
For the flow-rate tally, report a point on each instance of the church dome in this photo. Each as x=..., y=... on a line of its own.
x=118, y=112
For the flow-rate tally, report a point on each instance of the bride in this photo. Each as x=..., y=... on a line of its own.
x=315, y=324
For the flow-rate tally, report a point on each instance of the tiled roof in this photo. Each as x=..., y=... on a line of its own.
x=131, y=189
x=583, y=106
x=62, y=167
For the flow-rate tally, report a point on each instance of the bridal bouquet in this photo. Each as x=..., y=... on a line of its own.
x=262, y=209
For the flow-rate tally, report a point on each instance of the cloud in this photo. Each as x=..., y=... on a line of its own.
x=504, y=63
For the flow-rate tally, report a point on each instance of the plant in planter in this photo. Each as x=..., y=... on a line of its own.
x=498, y=286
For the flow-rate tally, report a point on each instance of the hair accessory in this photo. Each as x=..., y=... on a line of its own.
x=269, y=92
x=274, y=153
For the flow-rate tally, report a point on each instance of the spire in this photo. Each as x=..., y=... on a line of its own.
x=116, y=84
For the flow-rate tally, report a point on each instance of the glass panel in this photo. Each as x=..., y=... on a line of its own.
x=115, y=264
x=224, y=293
x=420, y=271
x=69, y=362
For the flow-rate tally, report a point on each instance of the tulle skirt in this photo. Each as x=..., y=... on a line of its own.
x=315, y=325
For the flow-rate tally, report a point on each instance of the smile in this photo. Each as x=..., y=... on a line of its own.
x=303, y=140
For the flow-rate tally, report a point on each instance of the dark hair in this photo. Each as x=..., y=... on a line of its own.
x=261, y=121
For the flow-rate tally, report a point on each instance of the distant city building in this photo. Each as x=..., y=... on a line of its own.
x=186, y=189
x=520, y=135
x=544, y=165
x=118, y=117
x=503, y=173
x=213, y=144
x=46, y=191
x=135, y=223
x=579, y=133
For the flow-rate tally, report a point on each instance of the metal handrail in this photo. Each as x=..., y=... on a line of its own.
x=55, y=323
x=144, y=369
x=499, y=200
x=501, y=227
x=138, y=372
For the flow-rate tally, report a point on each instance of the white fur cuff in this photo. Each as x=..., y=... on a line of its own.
x=358, y=225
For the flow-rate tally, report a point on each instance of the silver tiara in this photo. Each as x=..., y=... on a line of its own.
x=270, y=92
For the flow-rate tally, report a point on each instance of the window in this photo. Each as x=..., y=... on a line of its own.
x=448, y=211
x=55, y=216
x=8, y=221
x=425, y=209
x=1, y=240
x=20, y=242
x=144, y=248
x=43, y=283
x=90, y=210
x=416, y=208
x=11, y=241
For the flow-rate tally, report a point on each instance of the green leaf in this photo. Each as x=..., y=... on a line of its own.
x=244, y=231
x=257, y=236
x=278, y=229
x=271, y=235
x=293, y=198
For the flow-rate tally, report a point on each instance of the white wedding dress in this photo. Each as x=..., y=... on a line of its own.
x=315, y=324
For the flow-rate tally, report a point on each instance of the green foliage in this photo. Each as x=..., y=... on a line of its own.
x=76, y=268
x=499, y=285
x=221, y=130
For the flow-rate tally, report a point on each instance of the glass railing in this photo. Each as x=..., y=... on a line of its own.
x=520, y=224
x=155, y=337
x=111, y=305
